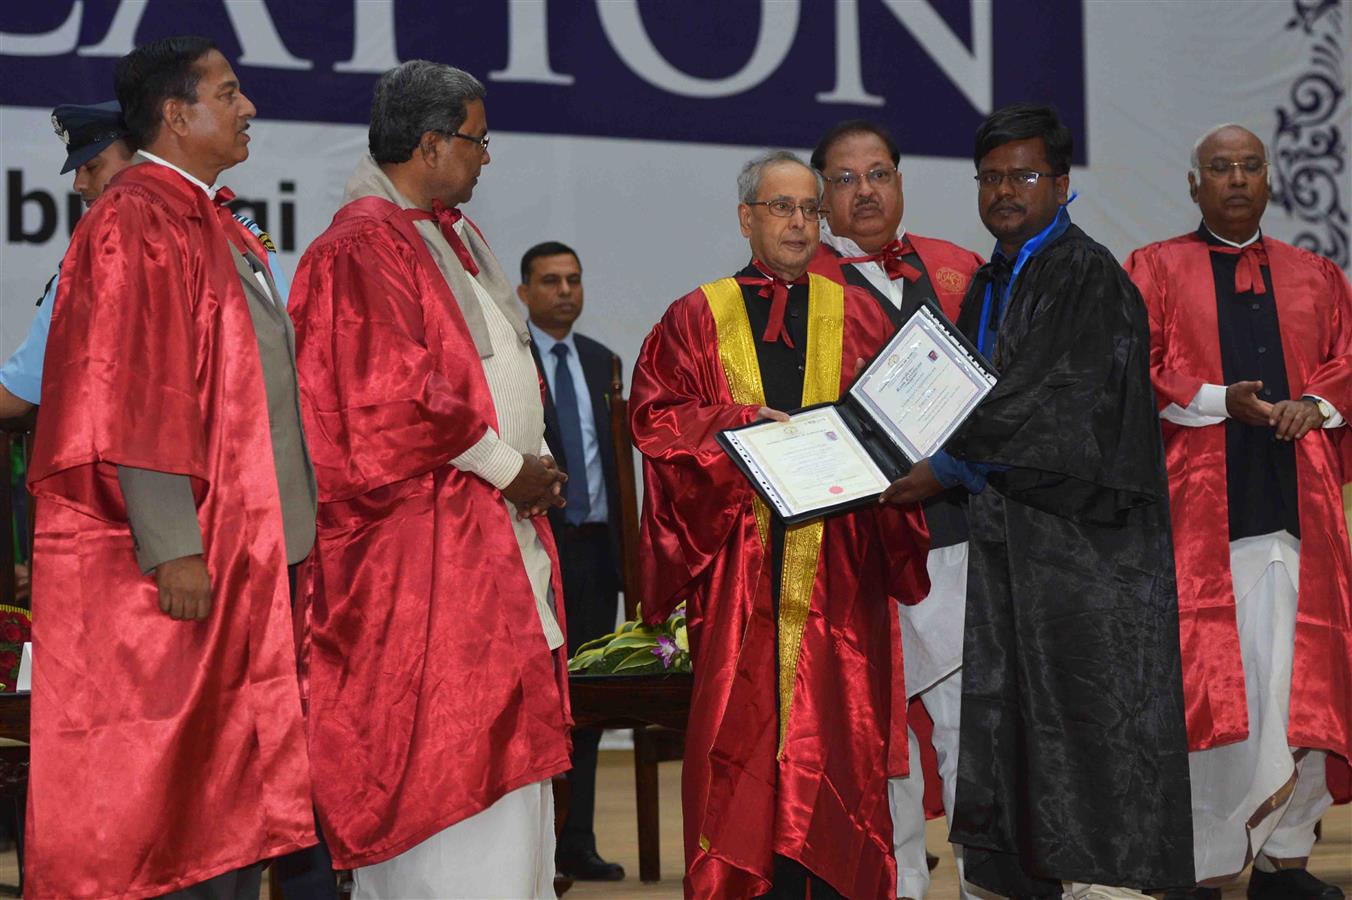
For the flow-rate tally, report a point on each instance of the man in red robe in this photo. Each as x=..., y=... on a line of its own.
x=1251, y=358
x=863, y=244
x=175, y=487
x=798, y=685
x=437, y=706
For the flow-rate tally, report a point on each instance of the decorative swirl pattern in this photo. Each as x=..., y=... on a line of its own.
x=1310, y=157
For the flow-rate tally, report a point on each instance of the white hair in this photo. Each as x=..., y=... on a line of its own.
x=749, y=179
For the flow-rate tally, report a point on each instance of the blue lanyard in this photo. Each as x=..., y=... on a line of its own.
x=985, y=342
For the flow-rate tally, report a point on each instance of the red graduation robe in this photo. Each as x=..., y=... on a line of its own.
x=164, y=752
x=817, y=790
x=431, y=690
x=950, y=268
x=1314, y=307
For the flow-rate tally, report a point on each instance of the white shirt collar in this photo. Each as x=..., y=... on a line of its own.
x=208, y=189
x=845, y=246
x=1256, y=235
x=546, y=341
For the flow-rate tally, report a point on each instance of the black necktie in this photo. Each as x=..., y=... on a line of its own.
x=570, y=424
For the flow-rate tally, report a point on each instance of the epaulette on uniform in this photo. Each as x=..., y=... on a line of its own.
x=263, y=237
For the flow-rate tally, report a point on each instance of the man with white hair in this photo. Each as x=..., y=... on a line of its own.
x=1251, y=359
x=797, y=715
x=433, y=636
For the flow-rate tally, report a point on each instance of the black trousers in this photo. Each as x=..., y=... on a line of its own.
x=306, y=874
x=791, y=880
x=239, y=884
x=590, y=595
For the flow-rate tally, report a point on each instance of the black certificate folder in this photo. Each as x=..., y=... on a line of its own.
x=909, y=400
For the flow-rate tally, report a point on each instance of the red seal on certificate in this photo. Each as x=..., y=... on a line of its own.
x=836, y=489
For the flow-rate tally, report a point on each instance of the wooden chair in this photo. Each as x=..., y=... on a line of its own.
x=16, y=520
x=652, y=743
x=17, y=432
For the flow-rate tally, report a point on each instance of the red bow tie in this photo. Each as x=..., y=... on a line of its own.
x=446, y=219
x=889, y=256
x=1249, y=269
x=777, y=289
x=243, y=239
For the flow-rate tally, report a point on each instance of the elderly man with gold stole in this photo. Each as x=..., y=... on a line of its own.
x=433, y=637
x=798, y=712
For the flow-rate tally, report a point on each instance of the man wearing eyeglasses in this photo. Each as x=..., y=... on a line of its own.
x=1072, y=763
x=797, y=716
x=864, y=244
x=1252, y=364
x=438, y=708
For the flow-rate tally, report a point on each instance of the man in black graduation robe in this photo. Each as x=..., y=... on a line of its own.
x=1073, y=752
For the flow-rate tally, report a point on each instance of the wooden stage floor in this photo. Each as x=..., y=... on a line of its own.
x=617, y=840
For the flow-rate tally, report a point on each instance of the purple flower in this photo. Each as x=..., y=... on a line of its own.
x=665, y=650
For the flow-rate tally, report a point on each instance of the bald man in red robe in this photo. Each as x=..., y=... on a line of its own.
x=797, y=717
x=1251, y=359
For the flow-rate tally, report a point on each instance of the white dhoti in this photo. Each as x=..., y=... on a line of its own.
x=1259, y=795
x=505, y=851
x=932, y=643
x=1076, y=890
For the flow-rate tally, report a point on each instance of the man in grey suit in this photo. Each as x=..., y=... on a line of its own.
x=577, y=371
x=155, y=368
x=160, y=506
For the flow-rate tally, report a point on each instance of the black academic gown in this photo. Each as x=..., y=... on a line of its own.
x=1073, y=752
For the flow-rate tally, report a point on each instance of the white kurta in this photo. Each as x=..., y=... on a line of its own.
x=932, y=648
x=505, y=851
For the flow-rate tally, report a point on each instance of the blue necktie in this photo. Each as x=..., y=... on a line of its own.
x=570, y=424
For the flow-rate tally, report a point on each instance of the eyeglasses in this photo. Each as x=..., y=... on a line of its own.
x=482, y=142
x=1220, y=168
x=849, y=180
x=1020, y=179
x=784, y=208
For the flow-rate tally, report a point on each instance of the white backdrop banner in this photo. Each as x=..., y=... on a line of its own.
x=618, y=126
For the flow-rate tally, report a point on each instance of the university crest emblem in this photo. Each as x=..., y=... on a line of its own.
x=950, y=280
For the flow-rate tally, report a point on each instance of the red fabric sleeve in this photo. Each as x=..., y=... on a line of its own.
x=121, y=359
x=378, y=408
x=693, y=493
x=1332, y=380
x=1171, y=386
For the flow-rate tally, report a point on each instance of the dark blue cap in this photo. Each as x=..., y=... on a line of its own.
x=87, y=130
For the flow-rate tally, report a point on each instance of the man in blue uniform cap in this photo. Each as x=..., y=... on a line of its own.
x=98, y=146
x=96, y=150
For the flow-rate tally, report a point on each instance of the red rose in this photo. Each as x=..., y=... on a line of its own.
x=11, y=632
x=8, y=660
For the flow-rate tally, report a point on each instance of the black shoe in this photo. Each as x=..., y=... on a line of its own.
x=1291, y=884
x=589, y=866
x=1192, y=893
